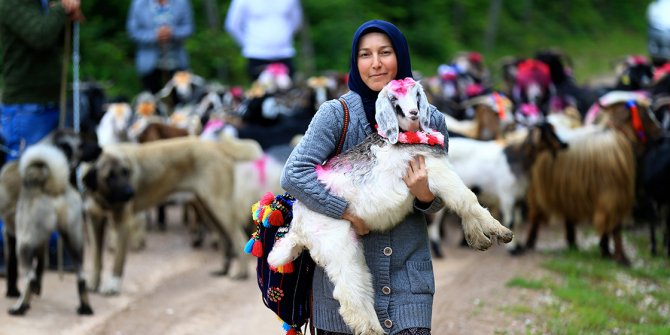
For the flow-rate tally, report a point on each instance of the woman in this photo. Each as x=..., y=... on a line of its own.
x=399, y=260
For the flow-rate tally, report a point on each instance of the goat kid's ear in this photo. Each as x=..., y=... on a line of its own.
x=386, y=117
x=424, y=115
x=91, y=179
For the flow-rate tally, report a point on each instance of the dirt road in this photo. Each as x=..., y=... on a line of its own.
x=168, y=290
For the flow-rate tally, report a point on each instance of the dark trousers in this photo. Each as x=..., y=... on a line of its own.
x=256, y=66
x=155, y=80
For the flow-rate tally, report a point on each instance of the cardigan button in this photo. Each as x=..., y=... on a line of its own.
x=388, y=323
x=386, y=290
x=388, y=251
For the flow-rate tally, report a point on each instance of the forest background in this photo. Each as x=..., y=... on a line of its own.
x=593, y=33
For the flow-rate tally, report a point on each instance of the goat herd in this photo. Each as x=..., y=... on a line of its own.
x=539, y=148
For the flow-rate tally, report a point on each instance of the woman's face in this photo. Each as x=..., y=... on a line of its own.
x=377, y=63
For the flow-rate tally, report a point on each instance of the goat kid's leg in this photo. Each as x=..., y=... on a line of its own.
x=479, y=226
x=11, y=265
x=509, y=212
x=337, y=248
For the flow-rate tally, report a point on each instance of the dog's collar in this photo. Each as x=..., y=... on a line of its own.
x=418, y=137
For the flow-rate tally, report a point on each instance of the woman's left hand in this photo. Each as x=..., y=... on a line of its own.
x=416, y=179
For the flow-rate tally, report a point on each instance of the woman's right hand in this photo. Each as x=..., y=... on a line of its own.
x=356, y=222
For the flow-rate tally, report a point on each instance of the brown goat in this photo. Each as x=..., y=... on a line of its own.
x=594, y=180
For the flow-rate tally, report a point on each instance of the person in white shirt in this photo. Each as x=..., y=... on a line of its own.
x=264, y=30
x=658, y=41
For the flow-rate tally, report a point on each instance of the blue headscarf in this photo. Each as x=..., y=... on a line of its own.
x=401, y=49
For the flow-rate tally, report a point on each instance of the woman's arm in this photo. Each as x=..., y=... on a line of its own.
x=320, y=141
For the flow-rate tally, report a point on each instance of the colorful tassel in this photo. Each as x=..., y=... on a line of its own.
x=276, y=218
x=249, y=246
x=254, y=211
x=292, y=331
x=257, y=249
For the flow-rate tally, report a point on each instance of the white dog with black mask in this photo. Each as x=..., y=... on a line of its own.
x=370, y=177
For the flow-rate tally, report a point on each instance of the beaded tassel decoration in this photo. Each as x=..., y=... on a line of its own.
x=271, y=211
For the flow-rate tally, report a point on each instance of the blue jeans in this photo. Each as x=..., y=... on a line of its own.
x=26, y=124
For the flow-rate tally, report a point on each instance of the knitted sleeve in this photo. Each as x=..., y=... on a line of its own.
x=39, y=30
x=318, y=144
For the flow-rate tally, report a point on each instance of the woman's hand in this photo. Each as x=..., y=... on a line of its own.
x=356, y=222
x=416, y=179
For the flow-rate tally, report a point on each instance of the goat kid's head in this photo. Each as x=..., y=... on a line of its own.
x=402, y=105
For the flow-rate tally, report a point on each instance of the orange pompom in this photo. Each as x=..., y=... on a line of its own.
x=276, y=218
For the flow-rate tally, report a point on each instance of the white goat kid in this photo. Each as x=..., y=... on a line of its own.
x=370, y=177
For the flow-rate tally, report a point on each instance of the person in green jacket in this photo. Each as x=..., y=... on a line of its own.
x=31, y=42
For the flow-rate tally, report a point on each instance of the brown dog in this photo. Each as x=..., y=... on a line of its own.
x=129, y=178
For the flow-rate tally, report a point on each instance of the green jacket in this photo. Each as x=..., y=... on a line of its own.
x=32, y=51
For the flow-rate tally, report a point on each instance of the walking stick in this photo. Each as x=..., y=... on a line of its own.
x=64, y=73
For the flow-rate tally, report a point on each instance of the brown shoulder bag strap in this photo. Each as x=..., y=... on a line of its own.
x=344, y=128
x=312, y=329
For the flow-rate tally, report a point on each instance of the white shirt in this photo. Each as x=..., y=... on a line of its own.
x=264, y=28
x=658, y=14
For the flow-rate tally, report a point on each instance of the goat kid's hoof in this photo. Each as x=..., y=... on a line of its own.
x=478, y=241
x=85, y=310
x=19, y=310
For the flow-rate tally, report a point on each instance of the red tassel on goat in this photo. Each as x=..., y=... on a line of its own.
x=267, y=199
x=292, y=331
x=257, y=249
x=286, y=268
x=276, y=218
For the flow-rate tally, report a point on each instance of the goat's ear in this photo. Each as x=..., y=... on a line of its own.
x=424, y=115
x=385, y=116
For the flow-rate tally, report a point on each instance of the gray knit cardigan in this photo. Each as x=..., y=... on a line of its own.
x=399, y=259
